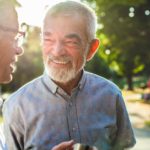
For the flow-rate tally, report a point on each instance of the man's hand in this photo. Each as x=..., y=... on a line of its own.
x=67, y=145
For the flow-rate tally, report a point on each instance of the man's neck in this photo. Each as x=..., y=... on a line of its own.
x=69, y=86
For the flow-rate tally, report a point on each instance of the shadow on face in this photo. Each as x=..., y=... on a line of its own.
x=8, y=23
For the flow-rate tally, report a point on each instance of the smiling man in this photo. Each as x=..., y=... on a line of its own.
x=67, y=104
x=9, y=49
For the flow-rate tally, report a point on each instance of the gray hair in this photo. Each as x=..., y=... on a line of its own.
x=75, y=8
x=8, y=14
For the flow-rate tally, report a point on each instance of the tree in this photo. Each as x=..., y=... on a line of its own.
x=126, y=27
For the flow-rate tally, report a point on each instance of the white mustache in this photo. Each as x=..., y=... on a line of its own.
x=62, y=59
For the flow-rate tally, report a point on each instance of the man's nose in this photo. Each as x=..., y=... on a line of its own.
x=18, y=47
x=58, y=49
x=19, y=50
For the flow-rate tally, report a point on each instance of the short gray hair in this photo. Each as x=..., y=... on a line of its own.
x=8, y=14
x=75, y=8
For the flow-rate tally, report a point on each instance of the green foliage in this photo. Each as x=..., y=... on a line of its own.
x=98, y=66
x=147, y=123
x=124, y=31
x=124, y=49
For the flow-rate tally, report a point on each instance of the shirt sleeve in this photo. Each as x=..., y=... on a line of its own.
x=125, y=136
x=13, y=128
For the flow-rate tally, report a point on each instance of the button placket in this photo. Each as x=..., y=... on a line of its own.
x=73, y=120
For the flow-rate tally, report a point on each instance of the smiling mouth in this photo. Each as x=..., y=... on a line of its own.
x=13, y=63
x=60, y=62
x=13, y=67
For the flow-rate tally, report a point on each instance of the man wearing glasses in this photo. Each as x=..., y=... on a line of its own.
x=10, y=47
x=9, y=38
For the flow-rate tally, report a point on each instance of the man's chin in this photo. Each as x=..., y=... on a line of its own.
x=7, y=79
x=63, y=76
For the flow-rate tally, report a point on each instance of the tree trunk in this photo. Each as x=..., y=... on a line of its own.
x=129, y=82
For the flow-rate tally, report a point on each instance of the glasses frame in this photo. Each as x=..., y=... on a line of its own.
x=7, y=29
x=20, y=35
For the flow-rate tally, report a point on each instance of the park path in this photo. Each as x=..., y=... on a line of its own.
x=139, y=113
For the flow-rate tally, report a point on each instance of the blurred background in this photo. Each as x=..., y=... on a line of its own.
x=123, y=57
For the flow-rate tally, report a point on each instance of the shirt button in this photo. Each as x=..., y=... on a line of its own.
x=73, y=129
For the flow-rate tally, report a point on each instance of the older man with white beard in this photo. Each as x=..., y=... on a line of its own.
x=68, y=105
x=10, y=49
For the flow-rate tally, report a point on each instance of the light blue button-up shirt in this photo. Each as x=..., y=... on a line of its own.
x=41, y=115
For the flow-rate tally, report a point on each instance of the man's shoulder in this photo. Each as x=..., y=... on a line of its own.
x=30, y=85
x=24, y=91
x=101, y=82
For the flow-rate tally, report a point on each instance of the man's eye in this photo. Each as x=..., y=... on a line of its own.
x=71, y=43
x=48, y=41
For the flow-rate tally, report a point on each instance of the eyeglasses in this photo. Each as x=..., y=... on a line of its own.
x=18, y=40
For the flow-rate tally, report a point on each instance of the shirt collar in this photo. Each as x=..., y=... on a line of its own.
x=53, y=86
x=49, y=83
x=82, y=80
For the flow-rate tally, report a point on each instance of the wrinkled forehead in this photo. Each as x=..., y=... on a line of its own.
x=65, y=26
x=63, y=18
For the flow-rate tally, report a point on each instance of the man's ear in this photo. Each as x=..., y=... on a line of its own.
x=92, y=49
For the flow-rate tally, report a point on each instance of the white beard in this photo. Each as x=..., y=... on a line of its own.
x=63, y=75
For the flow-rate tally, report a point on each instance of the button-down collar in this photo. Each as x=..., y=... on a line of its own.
x=54, y=87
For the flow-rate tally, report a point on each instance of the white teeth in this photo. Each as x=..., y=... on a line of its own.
x=60, y=62
x=12, y=64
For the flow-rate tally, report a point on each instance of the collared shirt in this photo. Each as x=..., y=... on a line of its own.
x=41, y=115
x=2, y=138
